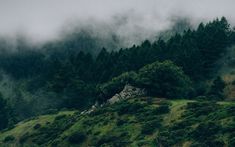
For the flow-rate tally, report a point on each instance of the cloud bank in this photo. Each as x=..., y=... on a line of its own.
x=132, y=20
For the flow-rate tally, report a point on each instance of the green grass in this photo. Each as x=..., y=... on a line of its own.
x=27, y=126
x=176, y=111
x=122, y=124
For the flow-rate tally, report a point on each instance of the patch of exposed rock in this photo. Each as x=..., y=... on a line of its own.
x=128, y=92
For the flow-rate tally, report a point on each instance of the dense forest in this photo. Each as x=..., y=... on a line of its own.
x=73, y=74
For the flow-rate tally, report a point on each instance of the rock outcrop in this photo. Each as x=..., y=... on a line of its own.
x=128, y=92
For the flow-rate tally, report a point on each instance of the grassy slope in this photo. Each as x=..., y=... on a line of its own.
x=131, y=123
x=28, y=126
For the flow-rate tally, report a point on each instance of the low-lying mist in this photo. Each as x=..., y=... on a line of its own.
x=119, y=23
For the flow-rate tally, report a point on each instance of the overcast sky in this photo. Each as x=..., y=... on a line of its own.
x=44, y=19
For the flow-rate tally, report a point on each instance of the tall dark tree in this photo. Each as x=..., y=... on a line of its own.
x=217, y=89
x=4, y=113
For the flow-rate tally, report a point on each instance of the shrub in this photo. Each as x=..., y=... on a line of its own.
x=107, y=139
x=37, y=126
x=24, y=138
x=9, y=138
x=59, y=117
x=112, y=140
x=197, y=144
x=162, y=109
x=201, y=98
x=4, y=113
x=217, y=89
x=77, y=137
x=128, y=108
x=205, y=130
x=164, y=80
x=51, y=111
x=215, y=143
x=120, y=122
x=231, y=110
x=231, y=142
x=51, y=131
x=165, y=139
x=197, y=109
x=150, y=126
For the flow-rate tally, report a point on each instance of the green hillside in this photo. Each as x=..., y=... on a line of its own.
x=134, y=122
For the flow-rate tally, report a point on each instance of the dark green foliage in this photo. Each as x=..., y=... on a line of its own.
x=232, y=142
x=51, y=111
x=150, y=126
x=231, y=110
x=23, y=64
x=51, y=131
x=120, y=122
x=24, y=138
x=127, y=108
x=9, y=138
x=77, y=93
x=200, y=108
x=205, y=131
x=37, y=126
x=200, y=123
x=217, y=89
x=168, y=138
x=115, y=85
x=164, y=80
x=77, y=137
x=21, y=107
x=152, y=115
x=162, y=109
x=59, y=117
x=210, y=143
x=112, y=140
x=5, y=113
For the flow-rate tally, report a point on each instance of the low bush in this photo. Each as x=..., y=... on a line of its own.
x=51, y=131
x=37, y=126
x=60, y=117
x=230, y=110
x=120, y=122
x=149, y=127
x=51, y=111
x=162, y=109
x=24, y=138
x=231, y=142
x=197, y=109
x=128, y=108
x=9, y=138
x=205, y=131
x=77, y=138
x=233, y=82
x=112, y=140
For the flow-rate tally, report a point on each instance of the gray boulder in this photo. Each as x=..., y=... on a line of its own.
x=127, y=93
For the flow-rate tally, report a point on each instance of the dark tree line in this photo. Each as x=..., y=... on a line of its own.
x=195, y=50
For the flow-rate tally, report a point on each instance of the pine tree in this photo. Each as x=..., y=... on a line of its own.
x=4, y=114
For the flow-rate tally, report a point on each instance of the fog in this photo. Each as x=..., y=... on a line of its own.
x=131, y=20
